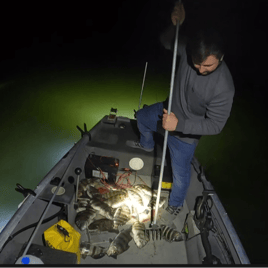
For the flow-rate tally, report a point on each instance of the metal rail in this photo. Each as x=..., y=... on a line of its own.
x=9, y=228
x=231, y=231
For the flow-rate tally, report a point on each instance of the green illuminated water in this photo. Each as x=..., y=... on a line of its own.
x=40, y=111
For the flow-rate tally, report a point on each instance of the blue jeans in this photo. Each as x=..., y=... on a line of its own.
x=181, y=153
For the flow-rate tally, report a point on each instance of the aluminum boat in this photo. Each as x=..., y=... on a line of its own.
x=208, y=234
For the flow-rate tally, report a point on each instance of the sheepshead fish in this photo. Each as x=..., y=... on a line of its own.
x=115, y=199
x=82, y=195
x=145, y=189
x=96, y=252
x=119, y=244
x=136, y=200
x=95, y=182
x=102, y=208
x=102, y=225
x=121, y=216
x=86, y=183
x=162, y=201
x=135, y=196
x=170, y=234
x=146, y=195
x=139, y=235
x=84, y=218
x=85, y=190
x=93, y=192
x=116, y=202
x=83, y=184
x=83, y=202
x=79, y=209
x=146, y=199
x=113, y=193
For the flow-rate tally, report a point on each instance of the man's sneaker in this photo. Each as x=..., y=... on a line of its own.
x=136, y=144
x=168, y=215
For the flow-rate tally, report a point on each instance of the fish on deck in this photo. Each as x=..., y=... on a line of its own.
x=102, y=208
x=162, y=201
x=96, y=252
x=121, y=216
x=120, y=243
x=136, y=200
x=145, y=189
x=170, y=234
x=115, y=199
x=103, y=225
x=93, y=192
x=139, y=235
x=84, y=218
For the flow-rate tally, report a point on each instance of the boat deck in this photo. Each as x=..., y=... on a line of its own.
x=109, y=142
x=154, y=252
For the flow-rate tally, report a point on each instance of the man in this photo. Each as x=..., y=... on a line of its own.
x=201, y=104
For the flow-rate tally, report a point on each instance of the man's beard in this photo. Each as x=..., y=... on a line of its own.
x=207, y=73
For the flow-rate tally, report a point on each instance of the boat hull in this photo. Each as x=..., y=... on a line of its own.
x=108, y=140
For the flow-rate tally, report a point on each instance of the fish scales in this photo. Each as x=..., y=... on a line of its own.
x=146, y=194
x=84, y=218
x=162, y=201
x=102, y=225
x=136, y=199
x=102, y=208
x=93, y=192
x=116, y=200
x=80, y=209
x=145, y=189
x=135, y=196
x=114, y=193
x=83, y=184
x=88, y=188
x=116, y=203
x=82, y=195
x=95, y=182
x=139, y=235
x=171, y=234
x=96, y=252
x=121, y=216
x=120, y=243
x=146, y=199
x=83, y=202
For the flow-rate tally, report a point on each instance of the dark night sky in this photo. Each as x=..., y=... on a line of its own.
x=107, y=32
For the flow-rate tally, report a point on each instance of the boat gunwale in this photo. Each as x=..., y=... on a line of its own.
x=28, y=201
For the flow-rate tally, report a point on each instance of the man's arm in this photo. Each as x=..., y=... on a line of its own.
x=218, y=111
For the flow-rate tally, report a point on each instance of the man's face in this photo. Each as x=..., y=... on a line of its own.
x=207, y=66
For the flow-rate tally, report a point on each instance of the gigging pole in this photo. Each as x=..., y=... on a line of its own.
x=166, y=132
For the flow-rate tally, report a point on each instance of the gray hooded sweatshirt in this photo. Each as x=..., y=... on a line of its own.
x=202, y=104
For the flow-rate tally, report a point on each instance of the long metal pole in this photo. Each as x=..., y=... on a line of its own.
x=166, y=132
x=143, y=83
